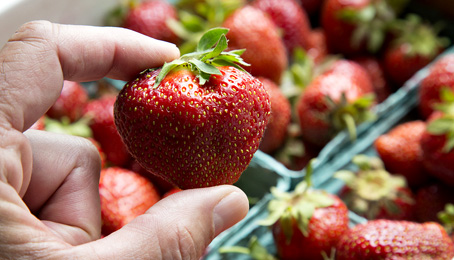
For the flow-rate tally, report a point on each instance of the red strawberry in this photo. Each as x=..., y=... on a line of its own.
x=374, y=193
x=354, y=27
x=401, y=152
x=197, y=121
x=104, y=131
x=276, y=130
x=336, y=100
x=251, y=29
x=382, y=88
x=441, y=75
x=415, y=46
x=305, y=222
x=391, y=239
x=70, y=104
x=150, y=18
x=124, y=196
x=291, y=19
x=431, y=199
x=437, y=145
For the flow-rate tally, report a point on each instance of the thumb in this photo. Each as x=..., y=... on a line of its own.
x=178, y=227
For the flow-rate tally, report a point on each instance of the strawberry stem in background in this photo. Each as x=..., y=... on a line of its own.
x=445, y=124
x=209, y=54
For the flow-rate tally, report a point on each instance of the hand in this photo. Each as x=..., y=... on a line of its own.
x=49, y=200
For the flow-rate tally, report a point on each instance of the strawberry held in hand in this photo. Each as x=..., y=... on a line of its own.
x=198, y=120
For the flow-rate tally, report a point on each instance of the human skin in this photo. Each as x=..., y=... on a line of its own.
x=49, y=200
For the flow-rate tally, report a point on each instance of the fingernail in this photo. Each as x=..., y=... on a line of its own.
x=230, y=210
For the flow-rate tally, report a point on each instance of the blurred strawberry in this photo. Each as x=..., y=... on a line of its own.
x=124, y=196
x=306, y=223
x=150, y=18
x=100, y=111
x=440, y=75
x=395, y=240
x=431, y=199
x=102, y=155
x=276, y=130
x=338, y=99
x=253, y=30
x=374, y=193
x=415, y=46
x=401, y=152
x=291, y=19
x=382, y=88
x=70, y=104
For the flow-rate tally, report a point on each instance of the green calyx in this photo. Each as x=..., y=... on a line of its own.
x=372, y=188
x=419, y=38
x=445, y=124
x=372, y=22
x=347, y=115
x=297, y=206
x=209, y=55
x=196, y=17
x=254, y=249
x=446, y=217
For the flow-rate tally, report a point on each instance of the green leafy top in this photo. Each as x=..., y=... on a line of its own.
x=255, y=250
x=372, y=21
x=204, y=61
x=444, y=125
x=422, y=38
x=297, y=206
x=372, y=187
x=447, y=218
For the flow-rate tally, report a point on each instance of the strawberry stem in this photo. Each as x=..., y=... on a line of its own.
x=208, y=56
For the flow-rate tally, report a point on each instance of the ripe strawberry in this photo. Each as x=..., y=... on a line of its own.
x=104, y=131
x=382, y=88
x=401, y=152
x=437, y=145
x=276, y=130
x=291, y=19
x=70, y=104
x=305, y=222
x=441, y=75
x=431, y=199
x=356, y=27
x=252, y=29
x=198, y=120
x=415, y=46
x=124, y=196
x=392, y=239
x=150, y=18
x=374, y=193
x=337, y=99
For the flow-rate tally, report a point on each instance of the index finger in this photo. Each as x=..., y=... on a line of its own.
x=41, y=54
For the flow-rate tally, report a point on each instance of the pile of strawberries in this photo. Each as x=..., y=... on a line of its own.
x=324, y=66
